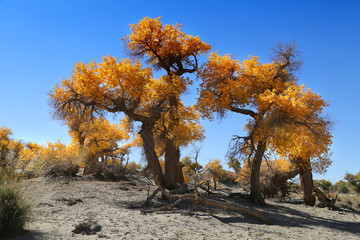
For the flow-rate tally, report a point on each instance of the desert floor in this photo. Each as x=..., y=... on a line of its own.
x=59, y=205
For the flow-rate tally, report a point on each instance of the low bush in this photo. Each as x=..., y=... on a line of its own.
x=57, y=160
x=15, y=211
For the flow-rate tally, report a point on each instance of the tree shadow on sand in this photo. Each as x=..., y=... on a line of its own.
x=281, y=215
x=285, y=216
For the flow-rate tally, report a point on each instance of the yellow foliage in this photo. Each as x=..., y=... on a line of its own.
x=127, y=86
x=101, y=136
x=163, y=45
x=133, y=166
x=187, y=177
x=285, y=115
x=187, y=130
x=214, y=168
x=10, y=150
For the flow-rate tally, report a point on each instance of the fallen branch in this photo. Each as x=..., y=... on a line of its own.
x=324, y=200
x=200, y=198
x=151, y=197
x=171, y=206
x=225, y=206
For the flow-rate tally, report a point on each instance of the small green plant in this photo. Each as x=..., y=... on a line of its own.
x=15, y=211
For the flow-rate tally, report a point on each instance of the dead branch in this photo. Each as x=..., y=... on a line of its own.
x=170, y=206
x=200, y=198
x=324, y=200
x=225, y=206
x=151, y=197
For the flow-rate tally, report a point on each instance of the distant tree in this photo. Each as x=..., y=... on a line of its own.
x=10, y=153
x=190, y=168
x=325, y=185
x=295, y=187
x=235, y=164
x=354, y=181
x=341, y=187
x=215, y=170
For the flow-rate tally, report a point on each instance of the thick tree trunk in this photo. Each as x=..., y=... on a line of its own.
x=255, y=192
x=173, y=172
x=180, y=177
x=214, y=183
x=146, y=134
x=307, y=184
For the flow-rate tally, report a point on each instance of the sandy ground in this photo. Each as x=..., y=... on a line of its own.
x=116, y=207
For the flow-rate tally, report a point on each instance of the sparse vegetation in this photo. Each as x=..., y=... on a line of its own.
x=354, y=181
x=287, y=133
x=325, y=185
x=15, y=210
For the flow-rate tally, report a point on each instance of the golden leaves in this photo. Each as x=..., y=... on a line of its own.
x=286, y=115
x=163, y=45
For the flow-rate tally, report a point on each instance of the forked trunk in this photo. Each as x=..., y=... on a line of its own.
x=146, y=134
x=255, y=193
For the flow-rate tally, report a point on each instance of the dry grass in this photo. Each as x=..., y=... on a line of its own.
x=349, y=201
x=15, y=211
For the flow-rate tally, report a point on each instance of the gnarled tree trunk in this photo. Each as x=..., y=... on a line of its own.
x=146, y=134
x=306, y=179
x=255, y=193
x=173, y=171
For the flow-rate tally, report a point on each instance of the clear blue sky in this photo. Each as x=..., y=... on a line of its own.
x=40, y=41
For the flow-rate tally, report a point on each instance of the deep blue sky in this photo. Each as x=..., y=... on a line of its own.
x=40, y=41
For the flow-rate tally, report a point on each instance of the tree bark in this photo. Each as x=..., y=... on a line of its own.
x=214, y=179
x=307, y=184
x=173, y=171
x=146, y=134
x=255, y=192
x=180, y=177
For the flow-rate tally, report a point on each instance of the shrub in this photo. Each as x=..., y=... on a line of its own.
x=354, y=181
x=228, y=177
x=295, y=187
x=341, y=187
x=275, y=176
x=132, y=167
x=189, y=168
x=10, y=151
x=15, y=212
x=325, y=185
x=57, y=159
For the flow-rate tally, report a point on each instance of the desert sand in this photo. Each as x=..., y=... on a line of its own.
x=115, y=209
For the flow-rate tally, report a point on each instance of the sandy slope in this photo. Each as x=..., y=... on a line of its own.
x=116, y=207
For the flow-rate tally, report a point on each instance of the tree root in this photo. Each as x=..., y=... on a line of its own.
x=151, y=197
x=199, y=198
